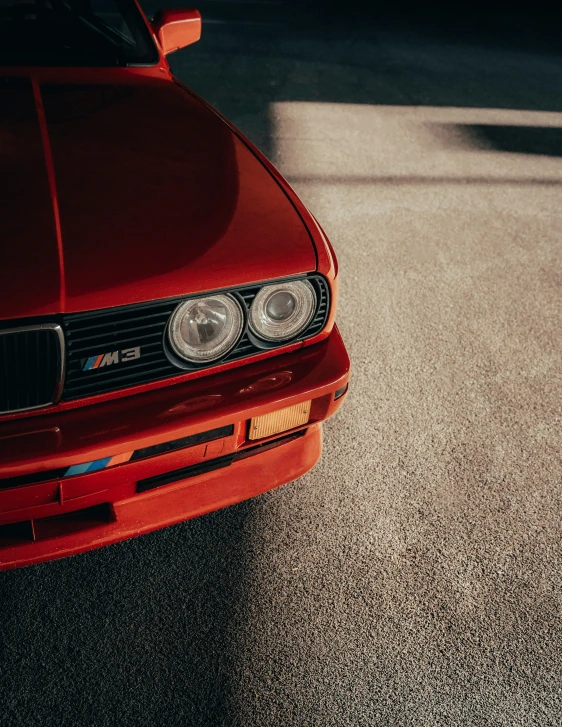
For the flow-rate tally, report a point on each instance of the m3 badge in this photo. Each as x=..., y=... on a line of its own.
x=111, y=358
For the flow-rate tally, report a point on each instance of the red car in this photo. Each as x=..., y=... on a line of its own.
x=167, y=336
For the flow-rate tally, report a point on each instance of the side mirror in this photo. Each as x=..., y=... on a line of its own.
x=176, y=28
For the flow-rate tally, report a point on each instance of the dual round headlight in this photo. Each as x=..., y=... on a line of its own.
x=283, y=310
x=205, y=329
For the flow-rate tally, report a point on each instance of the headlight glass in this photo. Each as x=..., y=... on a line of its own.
x=283, y=310
x=204, y=329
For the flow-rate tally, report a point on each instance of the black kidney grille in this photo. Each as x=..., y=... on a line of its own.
x=30, y=367
x=93, y=334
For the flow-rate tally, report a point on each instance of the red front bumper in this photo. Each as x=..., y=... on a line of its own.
x=57, y=516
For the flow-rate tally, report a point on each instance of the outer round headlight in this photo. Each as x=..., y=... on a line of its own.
x=283, y=310
x=204, y=329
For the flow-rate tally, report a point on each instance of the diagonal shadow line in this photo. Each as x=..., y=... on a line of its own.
x=411, y=180
x=512, y=138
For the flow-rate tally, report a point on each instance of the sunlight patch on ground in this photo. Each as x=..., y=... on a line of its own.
x=364, y=144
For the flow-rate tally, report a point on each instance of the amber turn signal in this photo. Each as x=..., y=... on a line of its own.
x=280, y=420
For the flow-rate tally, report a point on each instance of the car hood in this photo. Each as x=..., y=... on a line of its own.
x=155, y=196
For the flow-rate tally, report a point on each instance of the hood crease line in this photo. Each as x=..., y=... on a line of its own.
x=52, y=186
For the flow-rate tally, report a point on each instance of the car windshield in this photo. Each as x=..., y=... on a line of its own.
x=74, y=32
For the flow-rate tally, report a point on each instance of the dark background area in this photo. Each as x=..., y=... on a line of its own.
x=495, y=22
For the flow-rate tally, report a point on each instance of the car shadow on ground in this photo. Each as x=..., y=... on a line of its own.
x=135, y=633
x=541, y=140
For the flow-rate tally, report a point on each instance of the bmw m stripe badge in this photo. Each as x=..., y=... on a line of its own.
x=97, y=464
x=108, y=359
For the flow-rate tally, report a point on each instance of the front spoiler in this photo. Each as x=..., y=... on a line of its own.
x=175, y=503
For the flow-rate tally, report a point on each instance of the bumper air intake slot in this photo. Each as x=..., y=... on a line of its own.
x=53, y=527
x=214, y=464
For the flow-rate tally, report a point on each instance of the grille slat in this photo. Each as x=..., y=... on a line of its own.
x=132, y=312
x=104, y=331
x=146, y=341
x=30, y=366
x=95, y=333
x=131, y=379
x=123, y=326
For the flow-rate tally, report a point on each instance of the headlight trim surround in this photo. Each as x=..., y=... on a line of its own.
x=245, y=295
x=144, y=324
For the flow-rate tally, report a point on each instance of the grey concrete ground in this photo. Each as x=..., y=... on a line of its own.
x=414, y=577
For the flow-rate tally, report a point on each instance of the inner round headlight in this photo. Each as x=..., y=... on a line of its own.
x=283, y=310
x=204, y=329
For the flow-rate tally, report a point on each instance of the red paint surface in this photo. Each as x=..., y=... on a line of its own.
x=138, y=190
x=174, y=503
x=29, y=275
x=156, y=196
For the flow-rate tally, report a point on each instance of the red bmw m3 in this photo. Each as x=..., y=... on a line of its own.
x=167, y=335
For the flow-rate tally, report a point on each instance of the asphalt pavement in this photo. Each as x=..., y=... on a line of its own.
x=414, y=576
